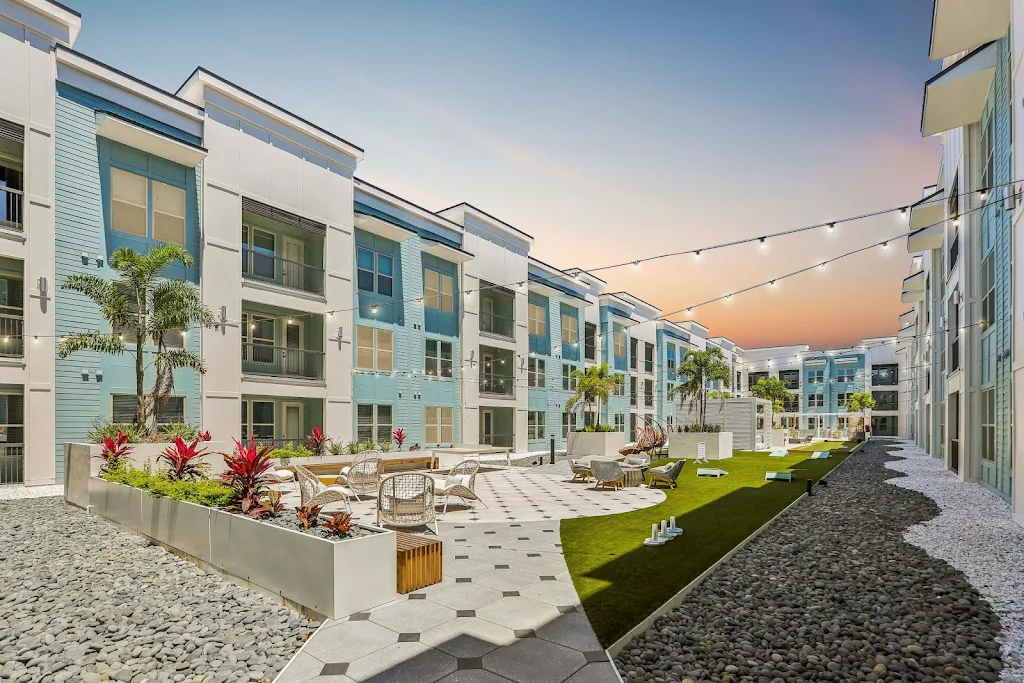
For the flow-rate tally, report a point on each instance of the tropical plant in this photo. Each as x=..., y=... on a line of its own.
x=707, y=429
x=697, y=372
x=593, y=385
x=309, y=515
x=144, y=307
x=272, y=505
x=338, y=524
x=205, y=436
x=715, y=394
x=178, y=429
x=246, y=474
x=208, y=492
x=103, y=427
x=771, y=389
x=599, y=428
x=292, y=450
x=317, y=442
x=115, y=452
x=384, y=446
x=337, y=448
x=355, y=447
x=183, y=460
x=399, y=436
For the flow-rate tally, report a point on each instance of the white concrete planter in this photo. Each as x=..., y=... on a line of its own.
x=684, y=444
x=596, y=443
x=779, y=438
x=326, y=578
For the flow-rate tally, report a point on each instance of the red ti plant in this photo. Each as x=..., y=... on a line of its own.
x=183, y=460
x=309, y=515
x=273, y=506
x=316, y=442
x=204, y=436
x=115, y=452
x=399, y=436
x=339, y=524
x=246, y=474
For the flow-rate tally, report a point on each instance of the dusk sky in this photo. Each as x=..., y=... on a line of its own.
x=608, y=131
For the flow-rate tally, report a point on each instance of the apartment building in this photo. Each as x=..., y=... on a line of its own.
x=958, y=336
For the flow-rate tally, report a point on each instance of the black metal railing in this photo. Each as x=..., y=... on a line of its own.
x=498, y=325
x=291, y=274
x=499, y=385
x=12, y=463
x=12, y=339
x=263, y=359
x=11, y=209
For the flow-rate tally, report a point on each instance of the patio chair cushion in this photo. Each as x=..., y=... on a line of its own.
x=456, y=480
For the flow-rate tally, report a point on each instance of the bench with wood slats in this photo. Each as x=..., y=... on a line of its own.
x=419, y=561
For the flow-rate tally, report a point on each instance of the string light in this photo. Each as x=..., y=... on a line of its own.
x=984, y=193
x=373, y=309
x=903, y=213
x=831, y=227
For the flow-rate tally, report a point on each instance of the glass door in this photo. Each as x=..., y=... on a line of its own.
x=293, y=348
x=293, y=430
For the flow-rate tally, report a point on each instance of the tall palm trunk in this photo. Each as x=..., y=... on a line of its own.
x=140, y=368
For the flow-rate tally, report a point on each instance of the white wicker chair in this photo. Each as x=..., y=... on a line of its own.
x=364, y=475
x=406, y=500
x=279, y=476
x=313, y=492
x=459, y=482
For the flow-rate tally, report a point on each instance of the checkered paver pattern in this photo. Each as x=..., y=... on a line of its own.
x=506, y=611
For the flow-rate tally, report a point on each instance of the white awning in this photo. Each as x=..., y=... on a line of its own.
x=956, y=96
x=926, y=239
x=908, y=318
x=443, y=251
x=930, y=210
x=114, y=127
x=959, y=25
x=913, y=288
x=381, y=228
x=907, y=332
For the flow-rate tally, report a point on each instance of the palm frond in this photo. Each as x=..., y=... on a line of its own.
x=175, y=359
x=89, y=341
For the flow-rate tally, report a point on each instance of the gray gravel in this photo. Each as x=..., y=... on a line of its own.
x=83, y=600
x=831, y=592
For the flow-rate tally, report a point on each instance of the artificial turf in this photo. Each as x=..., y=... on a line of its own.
x=620, y=581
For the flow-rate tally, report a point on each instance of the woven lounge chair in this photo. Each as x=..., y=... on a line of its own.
x=607, y=473
x=580, y=469
x=406, y=500
x=667, y=473
x=313, y=492
x=363, y=476
x=459, y=482
x=280, y=476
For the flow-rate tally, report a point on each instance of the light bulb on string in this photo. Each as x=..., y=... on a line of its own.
x=903, y=213
x=831, y=227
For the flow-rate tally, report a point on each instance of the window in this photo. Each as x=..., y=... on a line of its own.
x=985, y=156
x=754, y=377
x=988, y=291
x=129, y=207
x=953, y=330
x=438, y=291
x=633, y=352
x=123, y=408
x=373, y=422
x=437, y=360
x=536, y=370
x=375, y=272
x=568, y=381
x=988, y=425
x=953, y=209
x=620, y=386
x=257, y=338
x=815, y=376
x=258, y=420
x=590, y=341
x=846, y=374
x=670, y=360
x=668, y=390
x=620, y=422
x=537, y=321
x=632, y=391
x=884, y=374
x=438, y=421
x=815, y=400
x=649, y=359
x=535, y=425
x=570, y=330
x=791, y=404
x=790, y=379
x=568, y=424
x=648, y=392
x=620, y=342
x=843, y=400
x=885, y=400
x=374, y=349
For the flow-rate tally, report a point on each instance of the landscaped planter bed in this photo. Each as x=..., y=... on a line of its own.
x=318, y=576
x=684, y=445
x=596, y=443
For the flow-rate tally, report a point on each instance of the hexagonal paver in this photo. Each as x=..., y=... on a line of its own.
x=571, y=630
x=554, y=593
x=532, y=660
x=348, y=641
x=506, y=580
x=412, y=616
x=468, y=637
x=403, y=663
x=465, y=596
x=595, y=673
x=541, y=566
x=518, y=613
x=466, y=568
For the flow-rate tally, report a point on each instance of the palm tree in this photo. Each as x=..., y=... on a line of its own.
x=771, y=389
x=697, y=371
x=144, y=307
x=594, y=385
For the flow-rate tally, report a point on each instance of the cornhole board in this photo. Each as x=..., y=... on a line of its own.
x=710, y=472
x=820, y=455
x=778, y=476
x=778, y=453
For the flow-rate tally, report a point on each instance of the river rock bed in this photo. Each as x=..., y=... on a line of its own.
x=830, y=592
x=83, y=600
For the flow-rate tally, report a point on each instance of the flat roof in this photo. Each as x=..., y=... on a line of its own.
x=484, y=213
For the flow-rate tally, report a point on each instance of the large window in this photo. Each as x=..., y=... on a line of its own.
x=620, y=422
x=257, y=338
x=535, y=374
x=374, y=349
x=258, y=419
x=438, y=291
x=632, y=391
x=754, y=377
x=815, y=376
x=885, y=375
x=123, y=408
x=790, y=379
x=535, y=428
x=568, y=424
x=375, y=272
x=670, y=360
x=620, y=342
x=846, y=374
x=649, y=358
x=953, y=209
x=437, y=361
x=988, y=291
x=130, y=207
x=648, y=392
x=791, y=404
x=590, y=341
x=570, y=330
x=815, y=400
x=843, y=400
x=953, y=331
x=988, y=425
x=439, y=424
x=885, y=400
x=634, y=352
x=374, y=422
x=620, y=386
x=538, y=320
x=568, y=381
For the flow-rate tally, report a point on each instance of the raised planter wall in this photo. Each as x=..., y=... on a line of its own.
x=596, y=443
x=684, y=444
x=317, y=576
x=779, y=438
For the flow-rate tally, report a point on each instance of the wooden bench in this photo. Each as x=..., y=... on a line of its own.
x=419, y=561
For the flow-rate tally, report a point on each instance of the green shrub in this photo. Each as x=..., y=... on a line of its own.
x=184, y=430
x=208, y=492
x=102, y=428
x=296, y=450
x=337, y=448
x=707, y=429
x=599, y=428
x=384, y=446
x=354, y=447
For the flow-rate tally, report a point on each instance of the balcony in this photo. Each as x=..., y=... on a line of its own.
x=12, y=341
x=956, y=96
x=282, y=361
x=264, y=267
x=11, y=208
x=958, y=25
x=496, y=384
x=497, y=325
x=497, y=311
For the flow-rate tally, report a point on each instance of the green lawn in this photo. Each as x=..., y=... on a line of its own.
x=620, y=581
x=820, y=446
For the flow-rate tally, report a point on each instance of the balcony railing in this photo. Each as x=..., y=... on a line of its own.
x=498, y=325
x=12, y=330
x=291, y=274
x=12, y=463
x=10, y=208
x=498, y=385
x=263, y=359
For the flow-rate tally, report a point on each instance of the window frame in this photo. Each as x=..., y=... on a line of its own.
x=434, y=420
x=988, y=291
x=568, y=424
x=537, y=323
x=375, y=424
x=536, y=372
x=440, y=363
x=569, y=383
x=619, y=342
x=570, y=329
x=988, y=424
x=440, y=300
x=149, y=208
x=536, y=427
x=816, y=400
x=375, y=272
x=378, y=350
x=134, y=401
x=589, y=341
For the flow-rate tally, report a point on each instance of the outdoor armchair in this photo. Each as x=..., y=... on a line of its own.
x=363, y=476
x=406, y=500
x=607, y=473
x=459, y=482
x=667, y=473
x=580, y=469
x=313, y=492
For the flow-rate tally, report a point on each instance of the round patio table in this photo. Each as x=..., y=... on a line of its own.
x=632, y=476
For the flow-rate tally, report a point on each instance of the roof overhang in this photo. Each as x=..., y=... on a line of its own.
x=443, y=251
x=956, y=96
x=906, y=333
x=929, y=210
x=49, y=18
x=913, y=288
x=926, y=239
x=908, y=318
x=388, y=231
x=959, y=25
x=114, y=127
